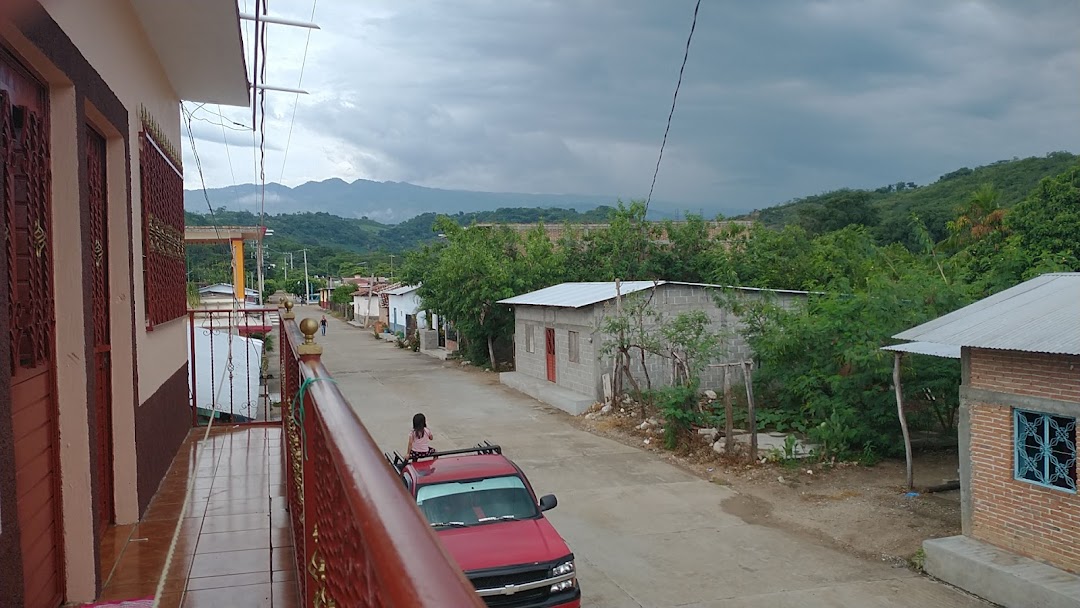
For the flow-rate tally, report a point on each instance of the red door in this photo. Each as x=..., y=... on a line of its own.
x=99, y=248
x=549, y=335
x=25, y=204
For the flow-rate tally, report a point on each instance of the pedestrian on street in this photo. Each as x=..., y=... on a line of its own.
x=420, y=438
x=323, y=324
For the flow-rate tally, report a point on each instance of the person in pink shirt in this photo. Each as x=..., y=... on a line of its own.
x=420, y=438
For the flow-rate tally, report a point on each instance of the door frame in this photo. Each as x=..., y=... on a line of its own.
x=549, y=352
x=103, y=474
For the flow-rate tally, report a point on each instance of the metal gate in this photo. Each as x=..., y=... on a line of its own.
x=26, y=207
x=99, y=247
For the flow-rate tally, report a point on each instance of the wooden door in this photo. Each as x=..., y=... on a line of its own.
x=99, y=249
x=25, y=204
x=549, y=339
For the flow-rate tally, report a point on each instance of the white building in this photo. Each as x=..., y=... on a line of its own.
x=403, y=307
x=220, y=295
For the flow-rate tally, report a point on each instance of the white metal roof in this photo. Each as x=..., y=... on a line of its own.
x=400, y=291
x=948, y=351
x=1041, y=315
x=225, y=289
x=577, y=295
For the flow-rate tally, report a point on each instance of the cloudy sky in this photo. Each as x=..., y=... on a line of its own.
x=780, y=98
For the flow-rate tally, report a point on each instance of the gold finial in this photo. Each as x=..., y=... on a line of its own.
x=308, y=327
x=287, y=303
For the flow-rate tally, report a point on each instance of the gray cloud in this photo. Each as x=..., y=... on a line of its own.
x=780, y=98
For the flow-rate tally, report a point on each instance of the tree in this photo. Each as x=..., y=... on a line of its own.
x=343, y=294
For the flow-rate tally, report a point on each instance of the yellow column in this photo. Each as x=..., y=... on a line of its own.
x=238, y=269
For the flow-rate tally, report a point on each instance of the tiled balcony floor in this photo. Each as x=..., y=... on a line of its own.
x=233, y=545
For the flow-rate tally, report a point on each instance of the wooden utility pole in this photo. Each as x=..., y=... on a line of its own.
x=751, y=411
x=729, y=415
x=903, y=417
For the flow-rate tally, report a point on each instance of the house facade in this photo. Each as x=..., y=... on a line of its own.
x=558, y=337
x=1019, y=403
x=403, y=308
x=95, y=402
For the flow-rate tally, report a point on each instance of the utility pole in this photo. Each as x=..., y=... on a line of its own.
x=370, y=288
x=392, y=256
x=307, y=281
x=285, y=265
x=259, y=262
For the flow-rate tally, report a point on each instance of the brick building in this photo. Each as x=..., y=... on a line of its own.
x=1019, y=401
x=557, y=337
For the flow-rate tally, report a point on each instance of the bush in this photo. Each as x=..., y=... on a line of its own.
x=676, y=406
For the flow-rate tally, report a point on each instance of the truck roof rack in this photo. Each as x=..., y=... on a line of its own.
x=399, y=462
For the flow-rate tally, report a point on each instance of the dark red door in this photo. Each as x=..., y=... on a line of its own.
x=549, y=339
x=25, y=204
x=99, y=250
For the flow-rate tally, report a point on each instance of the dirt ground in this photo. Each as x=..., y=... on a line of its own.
x=858, y=509
x=863, y=510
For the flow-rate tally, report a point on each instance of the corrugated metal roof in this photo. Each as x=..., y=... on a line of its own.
x=576, y=295
x=1041, y=315
x=400, y=291
x=948, y=351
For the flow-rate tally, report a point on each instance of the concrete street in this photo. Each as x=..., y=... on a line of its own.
x=645, y=533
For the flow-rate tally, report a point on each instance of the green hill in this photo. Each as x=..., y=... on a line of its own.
x=888, y=210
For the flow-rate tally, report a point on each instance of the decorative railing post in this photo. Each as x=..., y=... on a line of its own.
x=292, y=447
x=314, y=586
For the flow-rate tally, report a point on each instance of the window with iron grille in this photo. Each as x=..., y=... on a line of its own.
x=1045, y=449
x=164, y=266
x=528, y=338
x=572, y=343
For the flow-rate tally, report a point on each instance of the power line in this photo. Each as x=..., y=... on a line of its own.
x=675, y=98
x=296, y=100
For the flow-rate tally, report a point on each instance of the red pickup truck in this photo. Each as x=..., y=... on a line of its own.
x=490, y=520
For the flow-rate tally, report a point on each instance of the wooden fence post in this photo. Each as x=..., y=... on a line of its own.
x=751, y=410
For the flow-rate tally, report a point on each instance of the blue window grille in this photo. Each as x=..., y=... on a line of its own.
x=1045, y=449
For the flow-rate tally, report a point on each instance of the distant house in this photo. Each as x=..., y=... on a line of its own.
x=557, y=337
x=1019, y=403
x=403, y=306
x=220, y=295
x=366, y=302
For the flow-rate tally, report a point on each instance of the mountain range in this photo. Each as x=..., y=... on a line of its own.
x=385, y=202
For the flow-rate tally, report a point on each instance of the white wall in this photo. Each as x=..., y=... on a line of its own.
x=363, y=306
x=406, y=304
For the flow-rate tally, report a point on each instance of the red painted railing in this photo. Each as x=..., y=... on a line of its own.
x=228, y=372
x=360, y=540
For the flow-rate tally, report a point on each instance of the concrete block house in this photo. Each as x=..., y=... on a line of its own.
x=1019, y=403
x=94, y=400
x=557, y=337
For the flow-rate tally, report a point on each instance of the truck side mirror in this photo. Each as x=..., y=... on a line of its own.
x=548, y=502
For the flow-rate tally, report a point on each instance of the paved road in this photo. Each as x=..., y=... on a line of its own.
x=645, y=533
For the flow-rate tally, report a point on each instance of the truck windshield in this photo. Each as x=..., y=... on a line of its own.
x=481, y=501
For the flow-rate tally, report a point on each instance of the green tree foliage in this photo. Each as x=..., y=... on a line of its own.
x=463, y=278
x=342, y=294
x=935, y=203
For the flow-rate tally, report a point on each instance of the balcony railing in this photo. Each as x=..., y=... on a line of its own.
x=360, y=540
x=229, y=376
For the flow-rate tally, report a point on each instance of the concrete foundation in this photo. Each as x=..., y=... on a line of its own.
x=1000, y=576
x=429, y=339
x=548, y=392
